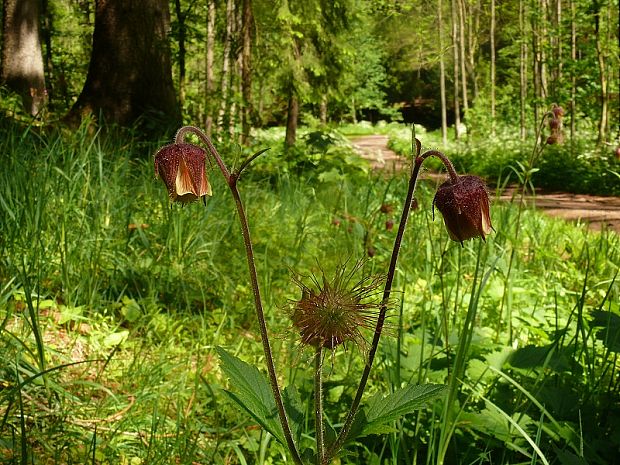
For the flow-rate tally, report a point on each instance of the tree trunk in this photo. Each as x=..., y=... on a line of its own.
x=230, y=18
x=544, y=87
x=558, y=47
x=462, y=58
x=573, y=56
x=455, y=59
x=209, y=61
x=442, y=75
x=535, y=33
x=181, y=22
x=600, y=55
x=291, y=119
x=323, y=109
x=246, y=71
x=522, y=71
x=130, y=74
x=492, y=38
x=47, y=26
x=22, y=58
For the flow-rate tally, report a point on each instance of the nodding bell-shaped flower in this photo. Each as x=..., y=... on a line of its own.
x=464, y=205
x=182, y=168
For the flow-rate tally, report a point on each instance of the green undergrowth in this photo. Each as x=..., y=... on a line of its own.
x=579, y=167
x=113, y=302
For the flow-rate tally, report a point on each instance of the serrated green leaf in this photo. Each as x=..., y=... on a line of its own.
x=294, y=410
x=381, y=411
x=253, y=393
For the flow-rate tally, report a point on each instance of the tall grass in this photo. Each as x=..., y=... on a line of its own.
x=96, y=267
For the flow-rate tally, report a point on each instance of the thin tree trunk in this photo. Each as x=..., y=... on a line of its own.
x=209, y=61
x=47, y=25
x=573, y=56
x=558, y=36
x=235, y=77
x=291, y=119
x=230, y=18
x=246, y=71
x=182, y=51
x=492, y=37
x=522, y=70
x=442, y=75
x=544, y=88
x=535, y=32
x=462, y=56
x=600, y=55
x=292, y=115
x=22, y=57
x=455, y=69
x=323, y=109
x=472, y=33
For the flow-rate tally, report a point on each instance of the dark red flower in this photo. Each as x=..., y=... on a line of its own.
x=465, y=208
x=387, y=208
x=182, y=168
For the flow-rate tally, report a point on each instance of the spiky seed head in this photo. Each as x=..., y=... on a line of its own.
x=337, y=311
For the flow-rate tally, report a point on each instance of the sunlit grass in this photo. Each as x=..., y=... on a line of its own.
x=112, y=302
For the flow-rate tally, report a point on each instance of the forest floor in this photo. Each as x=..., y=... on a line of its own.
x=597, y=211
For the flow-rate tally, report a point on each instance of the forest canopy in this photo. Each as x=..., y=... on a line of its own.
x=236, y=64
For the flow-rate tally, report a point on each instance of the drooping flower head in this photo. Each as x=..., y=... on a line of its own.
x=555, y=125
x=464, y=205
x=182, y=168
x=336, y=311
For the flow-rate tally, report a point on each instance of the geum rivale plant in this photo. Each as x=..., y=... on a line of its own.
x=330, y=312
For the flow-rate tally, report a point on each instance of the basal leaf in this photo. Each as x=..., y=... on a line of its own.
x=252, y=393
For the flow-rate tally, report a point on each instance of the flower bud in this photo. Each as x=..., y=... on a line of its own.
x=387, y=208
x=389, y=225
x=557, y=111
x=182, y=168
x=465, y=208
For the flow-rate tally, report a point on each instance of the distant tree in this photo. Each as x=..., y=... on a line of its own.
x=22, y=60
x=130, y=73
x=442, y=75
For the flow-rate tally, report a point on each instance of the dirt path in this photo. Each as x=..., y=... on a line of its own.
x=597, y=211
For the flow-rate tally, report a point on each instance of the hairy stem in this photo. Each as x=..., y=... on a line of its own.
x=318, y=404
x=346, y=427
x=260, y=314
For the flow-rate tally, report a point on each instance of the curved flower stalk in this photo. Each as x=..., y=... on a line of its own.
x=334, y=312
x=464, y=205
x=169, y=162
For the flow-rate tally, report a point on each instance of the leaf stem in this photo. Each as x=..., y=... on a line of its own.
x=231, y=179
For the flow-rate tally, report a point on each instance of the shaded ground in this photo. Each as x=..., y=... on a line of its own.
x=597, y=211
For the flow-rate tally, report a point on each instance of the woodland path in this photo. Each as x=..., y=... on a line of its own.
x=597, y=211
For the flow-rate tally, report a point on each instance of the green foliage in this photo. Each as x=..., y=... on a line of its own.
x=580, y=167
x=252, y=393
x=139, y=293
x=379, y=414
x=319, y=155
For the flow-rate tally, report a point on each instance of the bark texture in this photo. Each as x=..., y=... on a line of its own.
x=22, y=60
x=130, y=74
